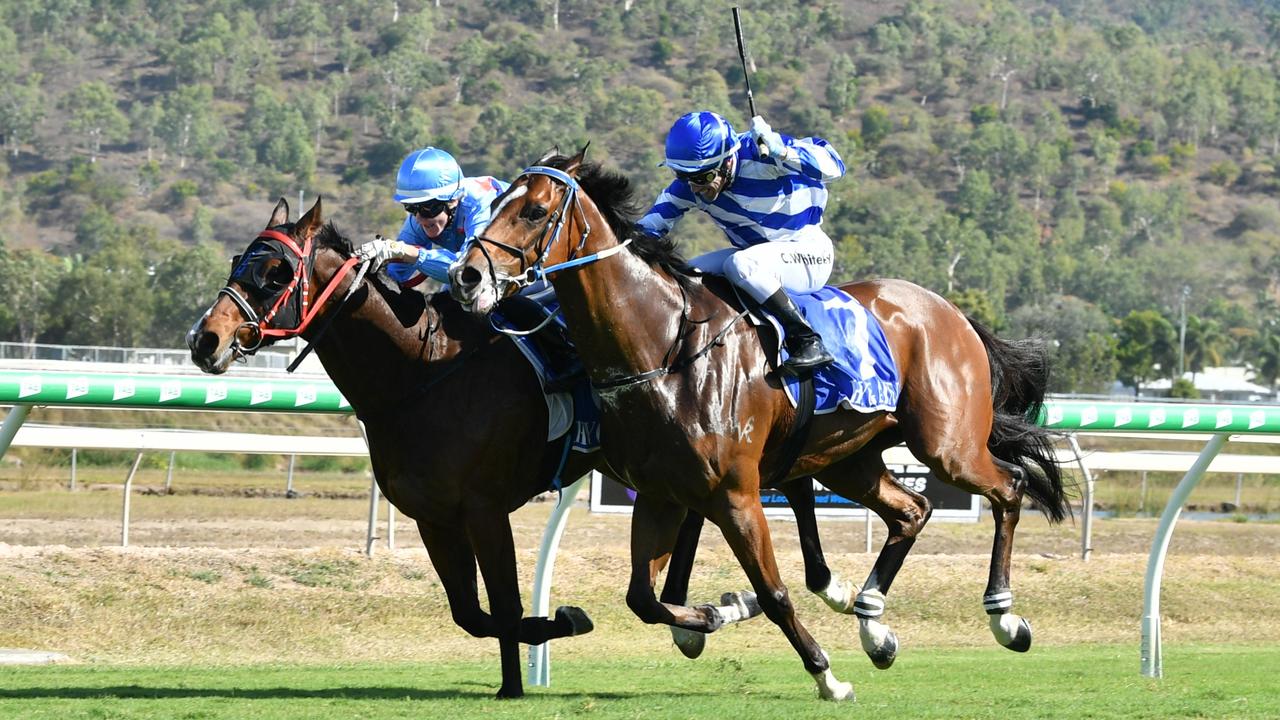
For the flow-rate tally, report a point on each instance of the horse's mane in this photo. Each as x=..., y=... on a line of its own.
x=616, y=199
x=329, y=237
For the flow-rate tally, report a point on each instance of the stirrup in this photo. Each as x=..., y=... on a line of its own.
x=809, y=357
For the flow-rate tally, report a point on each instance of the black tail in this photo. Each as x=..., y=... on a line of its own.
x=1019, y=377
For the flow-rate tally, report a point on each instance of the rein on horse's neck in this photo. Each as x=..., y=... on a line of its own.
x=632, y=358
x=426, y=351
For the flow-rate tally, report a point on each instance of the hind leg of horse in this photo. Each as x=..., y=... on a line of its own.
x=818, y=576
x=905, y=513
x=655, y=527
x=977, y=471
x=741, y=519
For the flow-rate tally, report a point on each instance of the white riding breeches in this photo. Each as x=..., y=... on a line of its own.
x=801, y=264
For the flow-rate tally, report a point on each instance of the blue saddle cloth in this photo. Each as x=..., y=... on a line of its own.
x=864, y=376
x=576, y=412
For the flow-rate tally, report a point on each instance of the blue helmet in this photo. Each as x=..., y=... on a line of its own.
x=428, y=174
x=698, y=141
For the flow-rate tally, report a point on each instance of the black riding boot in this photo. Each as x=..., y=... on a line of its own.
x=803, y=344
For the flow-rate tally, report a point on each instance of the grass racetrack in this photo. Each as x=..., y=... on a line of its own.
x=237, y=607
x=1094, y=681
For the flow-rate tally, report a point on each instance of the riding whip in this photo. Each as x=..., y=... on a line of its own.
x=746, y=76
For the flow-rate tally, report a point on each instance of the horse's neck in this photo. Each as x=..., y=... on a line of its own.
x=372, y=357
x=624, y=314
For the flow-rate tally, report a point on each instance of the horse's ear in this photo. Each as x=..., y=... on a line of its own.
x=279, y=216
x=308, y=224
x=554, y=151
x=576, y=161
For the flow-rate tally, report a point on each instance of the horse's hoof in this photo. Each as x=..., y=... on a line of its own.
x=883, y=655
x=691, y=643
x=577, y=618
x=1021, y=637
x=829, y=688
x=506, y=693
x=746, y=602
x=839, y=596
x=878, y=642
x=1012, y=631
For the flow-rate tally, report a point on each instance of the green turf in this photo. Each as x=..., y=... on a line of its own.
x=1054, y=682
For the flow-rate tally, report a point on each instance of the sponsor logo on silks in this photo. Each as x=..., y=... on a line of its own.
x=215, y=392
x=259, y=394
x=305, y=396
x=1124, y=416
x=1055, y=415
x=77, y=387
x=1224, y=419
x=1190, y=417
x=1257, y=418
x=1157, y=417
x=29, y=385
x=124, y=389
x=170, y=390
x=1089, y=415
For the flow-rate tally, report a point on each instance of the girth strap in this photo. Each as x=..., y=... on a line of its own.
x=797, y=434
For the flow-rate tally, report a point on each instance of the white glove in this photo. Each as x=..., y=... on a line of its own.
x=380, y=251
x=763, y=135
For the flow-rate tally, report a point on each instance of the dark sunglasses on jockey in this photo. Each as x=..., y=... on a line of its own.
x=699, y=177
x=427, y=209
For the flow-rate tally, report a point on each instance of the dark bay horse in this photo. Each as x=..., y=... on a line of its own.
x=689, y=388
x=401, y=358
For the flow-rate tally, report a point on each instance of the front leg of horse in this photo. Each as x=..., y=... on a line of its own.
x=490, y=534
x=741, y=519
x=450, y=549
x=655, y=527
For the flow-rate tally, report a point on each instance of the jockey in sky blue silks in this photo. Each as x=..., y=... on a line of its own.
x=767, y=192
x=445, y=211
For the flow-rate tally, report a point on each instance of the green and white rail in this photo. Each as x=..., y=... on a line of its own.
x=24, y=389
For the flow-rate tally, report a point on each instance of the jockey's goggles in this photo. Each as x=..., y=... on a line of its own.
x=427, y=209
x=699, y=177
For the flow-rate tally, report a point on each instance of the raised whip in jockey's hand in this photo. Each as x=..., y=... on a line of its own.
x=767, y=192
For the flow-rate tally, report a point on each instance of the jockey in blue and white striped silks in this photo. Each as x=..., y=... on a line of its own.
x=767, y=193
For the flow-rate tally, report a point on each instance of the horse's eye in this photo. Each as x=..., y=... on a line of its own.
x=533, y=212
x=279, y=276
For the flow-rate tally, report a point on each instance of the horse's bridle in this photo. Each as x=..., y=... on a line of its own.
x=306, y=311
x=535, y=271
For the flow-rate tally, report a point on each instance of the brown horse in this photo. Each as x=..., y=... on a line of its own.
x=704, y=419
x=400, y=357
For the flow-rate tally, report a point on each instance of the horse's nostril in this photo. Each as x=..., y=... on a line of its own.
x=469, y=277
x=205, y=345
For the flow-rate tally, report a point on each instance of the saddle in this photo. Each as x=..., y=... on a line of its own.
x=563, y=368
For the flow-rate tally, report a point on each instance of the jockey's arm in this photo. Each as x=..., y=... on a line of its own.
x=812, y=157
x=667, y=210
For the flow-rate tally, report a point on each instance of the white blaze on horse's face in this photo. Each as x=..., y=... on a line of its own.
x=516, y=193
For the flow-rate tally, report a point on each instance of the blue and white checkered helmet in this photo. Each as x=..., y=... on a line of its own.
x=428, y=174
x=698, y=141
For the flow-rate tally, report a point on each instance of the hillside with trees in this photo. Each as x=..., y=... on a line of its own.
x=1076, y=170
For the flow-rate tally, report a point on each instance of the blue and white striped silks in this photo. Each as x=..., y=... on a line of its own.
x=472, y=217
x=767, y=199
x=864, y=376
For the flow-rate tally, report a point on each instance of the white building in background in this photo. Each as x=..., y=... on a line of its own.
x=1222, y=384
